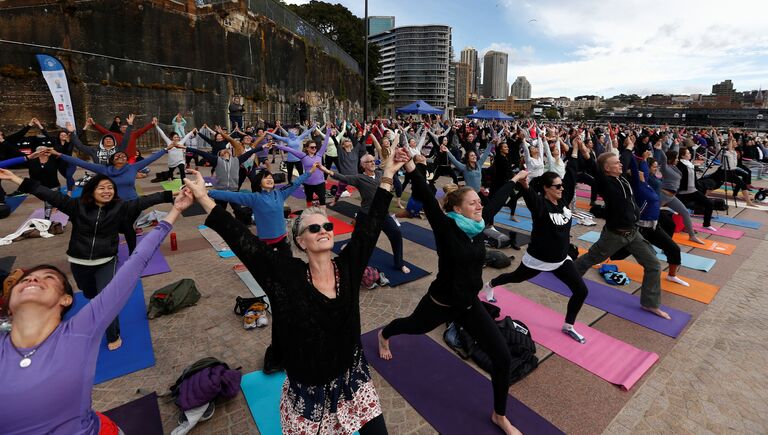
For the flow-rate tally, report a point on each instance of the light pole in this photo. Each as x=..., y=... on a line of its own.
x=365, y=85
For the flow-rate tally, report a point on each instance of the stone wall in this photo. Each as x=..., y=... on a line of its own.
x=224, y=50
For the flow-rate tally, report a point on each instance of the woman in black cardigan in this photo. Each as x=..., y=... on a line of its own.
x=687, y=193
x=316, y=312
x=452, y=296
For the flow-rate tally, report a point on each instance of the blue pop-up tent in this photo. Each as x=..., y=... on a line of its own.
x=420, y=107
x=495, y=115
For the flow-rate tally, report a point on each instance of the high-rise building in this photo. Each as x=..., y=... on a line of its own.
x=380, y=24
x=724, y=89
x=463, y=82
x=495, y=75
x=452, y=84
x=521, y=88
x=469, y=57
x=415, y=64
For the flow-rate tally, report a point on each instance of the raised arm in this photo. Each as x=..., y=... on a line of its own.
x=484, y=157
x=308, y=131
x=236, y=144
x=162, y=134
x=461, y=166
x=187, y=137
x=421, y=191
x=297, y=153
x=324, y=146
x=95, y=167
x=148, y=160
x=210, y=158
x=246, y=155
x=63, y=202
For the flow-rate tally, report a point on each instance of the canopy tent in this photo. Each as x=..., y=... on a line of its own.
x=420, y=107
x=495, y=115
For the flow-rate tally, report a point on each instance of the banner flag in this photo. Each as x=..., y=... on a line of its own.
x=54, y=75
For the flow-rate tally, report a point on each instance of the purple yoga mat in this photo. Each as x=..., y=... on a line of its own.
x=620, y=304
x=141, y=416
x=56, y=217
x=452, y=396
x=156, y=266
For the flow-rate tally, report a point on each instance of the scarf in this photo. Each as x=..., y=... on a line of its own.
x=687, y=163
x=469, y=226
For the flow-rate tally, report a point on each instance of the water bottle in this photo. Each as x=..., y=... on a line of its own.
x=174, y=246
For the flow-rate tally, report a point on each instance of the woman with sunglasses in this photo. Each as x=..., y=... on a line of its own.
x=316, y=312
x=550, y=240
x=315, y=183
x=48, y=364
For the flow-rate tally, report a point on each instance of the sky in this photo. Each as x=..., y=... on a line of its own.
x=579, y=47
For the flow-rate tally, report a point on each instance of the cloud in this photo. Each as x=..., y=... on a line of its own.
x=650, y=45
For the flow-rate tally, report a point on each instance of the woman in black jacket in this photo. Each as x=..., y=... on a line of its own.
x=688, y=193
x=96, y=217
x=452, y=296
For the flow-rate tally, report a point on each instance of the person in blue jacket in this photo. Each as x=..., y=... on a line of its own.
x=294, y=142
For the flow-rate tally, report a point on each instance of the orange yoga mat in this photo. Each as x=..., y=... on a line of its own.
x=709, y=245
x=698, y=291
x=584, y=205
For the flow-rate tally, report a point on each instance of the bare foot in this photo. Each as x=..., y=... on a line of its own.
x=400, y=204
x=405, y=269
x=503, y=423
x=115, y=344
x=695, y=239
x=514, y=219
x=332, y=204
x=384, y=352
x=657, y=311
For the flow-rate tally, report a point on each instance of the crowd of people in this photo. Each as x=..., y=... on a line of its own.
x=314, y=295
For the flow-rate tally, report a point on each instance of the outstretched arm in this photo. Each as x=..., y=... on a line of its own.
x=297, y=153
x=95, y=167
x=162, y=134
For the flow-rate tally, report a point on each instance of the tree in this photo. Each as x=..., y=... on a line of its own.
x=377, y=95
x=590, y=113
x=552, y=113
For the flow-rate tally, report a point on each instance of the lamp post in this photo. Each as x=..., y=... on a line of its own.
x=365, y=85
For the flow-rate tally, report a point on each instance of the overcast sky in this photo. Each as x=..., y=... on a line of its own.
x=598, y=47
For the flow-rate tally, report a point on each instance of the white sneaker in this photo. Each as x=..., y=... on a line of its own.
x=677, y=280
x=488, y=290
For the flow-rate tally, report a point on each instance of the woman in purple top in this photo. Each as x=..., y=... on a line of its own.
x=315, y=184
x=48, y=364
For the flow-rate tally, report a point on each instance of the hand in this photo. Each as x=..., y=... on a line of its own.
x=218, y=129
x=154, y=120
x=52, y=152
x=443, y=149
x=31, y=122
x=184, y=199
x=130, y=119
x=394, y=162
x=194, y=131
x=314, y=167
x=70, y=128
x=196, y=184
x=88, y=123
x=10, y=176
x=37, y=123
x=35, y=155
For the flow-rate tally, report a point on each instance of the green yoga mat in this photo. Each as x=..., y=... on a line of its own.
x=173, y=185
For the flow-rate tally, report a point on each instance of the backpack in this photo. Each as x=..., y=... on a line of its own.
x=497, y=259
x=242, y=304
x=370, y=277
x=172, y=298
x=192, y=369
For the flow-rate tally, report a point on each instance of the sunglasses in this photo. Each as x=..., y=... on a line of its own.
x=312, y=147
x=315, y=228
x=557, y=186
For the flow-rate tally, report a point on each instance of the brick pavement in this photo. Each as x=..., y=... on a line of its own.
x=711, y=379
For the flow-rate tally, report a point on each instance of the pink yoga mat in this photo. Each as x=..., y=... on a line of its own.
x=611, y=359
x=583, y=194
x=722, y=231
x=56, y=217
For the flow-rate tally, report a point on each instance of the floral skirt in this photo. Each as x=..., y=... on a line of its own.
x=341, y=406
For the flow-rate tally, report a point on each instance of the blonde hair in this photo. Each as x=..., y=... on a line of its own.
x=455, y=196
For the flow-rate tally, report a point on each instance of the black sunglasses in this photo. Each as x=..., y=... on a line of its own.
x=312, y=147
x=315, y=228
x=557, y=186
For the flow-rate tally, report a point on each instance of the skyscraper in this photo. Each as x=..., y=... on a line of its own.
x=495, y=74
x=521, y=88
x=415, y=64
x=462, y=85
x=469, y=57
x=380, y=24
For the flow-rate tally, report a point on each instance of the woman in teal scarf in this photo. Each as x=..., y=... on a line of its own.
x=452, y=296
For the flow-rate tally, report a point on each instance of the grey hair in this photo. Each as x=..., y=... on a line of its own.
x=297, y=228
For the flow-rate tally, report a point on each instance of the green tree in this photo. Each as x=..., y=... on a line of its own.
x=590, y=113
x=378, y=97
x=552, y=113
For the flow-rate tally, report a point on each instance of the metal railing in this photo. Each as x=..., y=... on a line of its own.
x=289, y=20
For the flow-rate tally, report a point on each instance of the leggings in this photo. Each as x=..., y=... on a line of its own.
x=675, y=204
x=698, y=198
x=428, y=315
x=659, y=238
x=589, y=180
x=392, y=231
x=92, y=280
x=182, y=172
x=330, y=161
x=740, y=177
x=68, y=172
x=377, y=426
x=444, y=170
x=339, y=190
x=566, y=273
x=224, y=204
x=314, y=189
x=496, y=201
x=289, y=168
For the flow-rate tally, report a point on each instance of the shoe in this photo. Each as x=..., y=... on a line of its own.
x=383, y=280
x=488, y=290
x=206, y=415
x=574, y=335
x=711, y=228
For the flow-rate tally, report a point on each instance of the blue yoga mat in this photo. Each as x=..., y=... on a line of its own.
x=620, y=304
x=262, y=393
x=691, y=261
x=504, y=219
x=384, y=262
x=738, y=222
x=136, y=353
x=13, y=202
x=423, y=236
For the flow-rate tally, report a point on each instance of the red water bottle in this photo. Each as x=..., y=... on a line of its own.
x=173, y=242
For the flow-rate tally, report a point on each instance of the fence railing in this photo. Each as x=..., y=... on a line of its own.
x=288, y=19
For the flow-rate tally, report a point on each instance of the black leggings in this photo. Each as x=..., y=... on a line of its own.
x=444, y=170
x=330, y=161
x=660, y=239
x=92, y=280
x=496, y=201
x=289, y=169
x=311, y=189
x=377, y=426
x=697, y=198
x=566, y=273
x=428, y=315
x=392, y=231
x=589, y=180
x=182, y=172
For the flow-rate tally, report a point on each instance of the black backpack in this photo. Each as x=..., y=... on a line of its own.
x=173, y=298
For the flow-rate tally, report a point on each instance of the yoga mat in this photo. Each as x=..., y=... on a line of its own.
x=141, y=416
x=13, y=202
x=450, y=395
x=620, y=304
x=583, y=194
x=216, y=241
x=584, y=205
x=423, y=236
x=56, y=217
x=688, y=260
x=136, y=353
x=611, y=359
x=245, y=276
x=340, y=227
x=504, y=219
x=211, y=180
x=6, y=264
x=194, y=210
x=518, y=239
x=156, y=266
x=262, y=393
x=709, y=245
x=384, y=262
x=345, y=209
x=733, y=221
x=722, y=231
x=173, y=185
